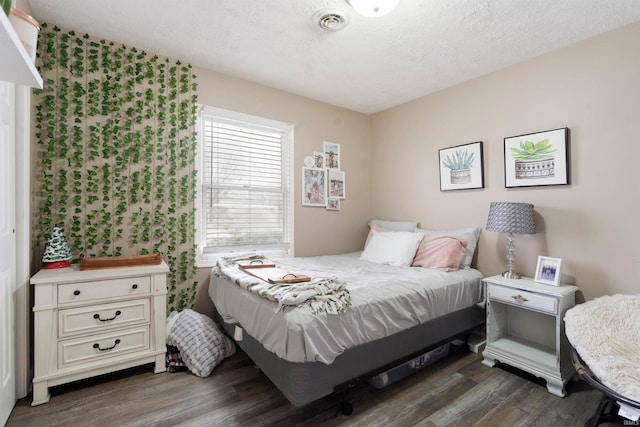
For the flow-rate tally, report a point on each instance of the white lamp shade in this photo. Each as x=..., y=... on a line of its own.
x=373, y=8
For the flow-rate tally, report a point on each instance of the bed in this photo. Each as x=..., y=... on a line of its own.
x=396, y=313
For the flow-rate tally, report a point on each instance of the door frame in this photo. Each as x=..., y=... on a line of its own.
x=23, y=240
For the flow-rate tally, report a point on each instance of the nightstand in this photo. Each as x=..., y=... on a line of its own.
x=92, y=322
x=525, y=328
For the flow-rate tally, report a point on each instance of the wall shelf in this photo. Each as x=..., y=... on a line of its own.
x=16, y=65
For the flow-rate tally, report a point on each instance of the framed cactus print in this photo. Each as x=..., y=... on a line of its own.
x=537, y=159
x=461, y=167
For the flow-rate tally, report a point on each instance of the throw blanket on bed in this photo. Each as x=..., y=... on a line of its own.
x=320, y=294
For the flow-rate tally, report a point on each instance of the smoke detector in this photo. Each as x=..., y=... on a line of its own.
x=330, y=20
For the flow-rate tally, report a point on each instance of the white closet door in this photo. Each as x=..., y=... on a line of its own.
x=7, y=250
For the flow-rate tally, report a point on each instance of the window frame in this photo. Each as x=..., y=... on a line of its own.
x=209, y=258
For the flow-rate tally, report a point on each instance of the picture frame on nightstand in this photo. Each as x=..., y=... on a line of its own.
x=548, y=271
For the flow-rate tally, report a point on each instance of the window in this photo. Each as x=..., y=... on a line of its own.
x=246, y=202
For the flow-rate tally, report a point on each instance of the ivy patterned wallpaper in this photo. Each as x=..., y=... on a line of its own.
x=115, y=153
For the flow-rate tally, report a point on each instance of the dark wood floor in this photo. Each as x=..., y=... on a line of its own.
x=455, y=391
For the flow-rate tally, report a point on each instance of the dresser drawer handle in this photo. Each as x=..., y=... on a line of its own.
x=97, y=316
x=519, y=298
x=135, y=286
x=115, y=343
x=76, y=293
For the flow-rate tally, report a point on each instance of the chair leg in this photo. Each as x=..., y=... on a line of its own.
x=596, y=418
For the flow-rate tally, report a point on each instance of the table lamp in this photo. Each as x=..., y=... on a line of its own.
x=512, y=218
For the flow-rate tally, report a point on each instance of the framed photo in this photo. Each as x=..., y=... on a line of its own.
x=548, y=271
x=461, y=167
x=333, y=203
x=318, y=159
x=537, y=159
x=331, y=155
x=336, y=183
x=314, y=187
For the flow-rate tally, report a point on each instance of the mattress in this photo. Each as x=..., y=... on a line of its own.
x=385, y=301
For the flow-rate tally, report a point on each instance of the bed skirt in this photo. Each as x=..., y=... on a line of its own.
x=303, y=383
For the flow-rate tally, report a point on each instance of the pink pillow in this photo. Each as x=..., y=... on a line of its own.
x=441, y=252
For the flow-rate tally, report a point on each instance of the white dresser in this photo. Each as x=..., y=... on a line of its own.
x=525, y=328
x=92, y=322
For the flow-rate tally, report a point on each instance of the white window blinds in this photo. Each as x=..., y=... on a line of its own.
x=246, y=189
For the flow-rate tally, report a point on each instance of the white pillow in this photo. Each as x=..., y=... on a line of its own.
x=392, y=247
x=470, y=234
x=393, y=225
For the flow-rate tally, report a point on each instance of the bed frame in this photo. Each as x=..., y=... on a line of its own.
x=303, y=383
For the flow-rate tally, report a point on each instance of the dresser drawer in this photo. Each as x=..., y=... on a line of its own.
x=82, y=350
x=96, y=318
x=523, y=298
x=87, y=291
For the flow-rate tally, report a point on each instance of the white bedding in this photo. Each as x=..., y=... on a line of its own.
x=385, y=300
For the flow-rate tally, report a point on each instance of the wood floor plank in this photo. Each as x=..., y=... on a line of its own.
x=455, y=391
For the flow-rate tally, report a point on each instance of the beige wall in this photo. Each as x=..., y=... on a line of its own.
x=592, y=88
x=317, y=231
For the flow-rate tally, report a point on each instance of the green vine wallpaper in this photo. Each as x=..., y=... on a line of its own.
x=115, y=153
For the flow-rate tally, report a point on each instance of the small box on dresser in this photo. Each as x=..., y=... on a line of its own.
x=525, y=328
x=92, y=322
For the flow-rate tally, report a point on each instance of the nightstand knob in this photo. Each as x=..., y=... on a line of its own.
x=135, y=286
x=519, y=298
x=76, y=293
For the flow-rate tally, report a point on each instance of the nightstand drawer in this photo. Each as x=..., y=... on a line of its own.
x=87, y=291
x=104, y=346
x=523, y=298
x=95, y=318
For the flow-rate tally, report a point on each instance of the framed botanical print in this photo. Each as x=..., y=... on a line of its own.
x=537, y=159
x=461, y=167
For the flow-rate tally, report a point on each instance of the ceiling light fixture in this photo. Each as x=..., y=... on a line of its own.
x=373, y=8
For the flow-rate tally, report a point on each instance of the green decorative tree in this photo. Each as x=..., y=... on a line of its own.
x=56, y=253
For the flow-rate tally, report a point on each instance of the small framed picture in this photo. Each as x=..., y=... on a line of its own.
x=318, y=160
x=548, y=271
x=314, y=187
x=331, y=155
x=333, y=203
x=336, y=184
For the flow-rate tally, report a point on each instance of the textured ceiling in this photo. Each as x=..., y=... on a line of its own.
x=370, y=65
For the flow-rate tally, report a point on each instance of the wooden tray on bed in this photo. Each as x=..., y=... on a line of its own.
x=119, y=261
x=272, y=274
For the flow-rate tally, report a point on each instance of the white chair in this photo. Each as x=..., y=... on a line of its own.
x=604, y=334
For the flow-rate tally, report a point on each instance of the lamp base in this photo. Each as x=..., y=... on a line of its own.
x=511, y=275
